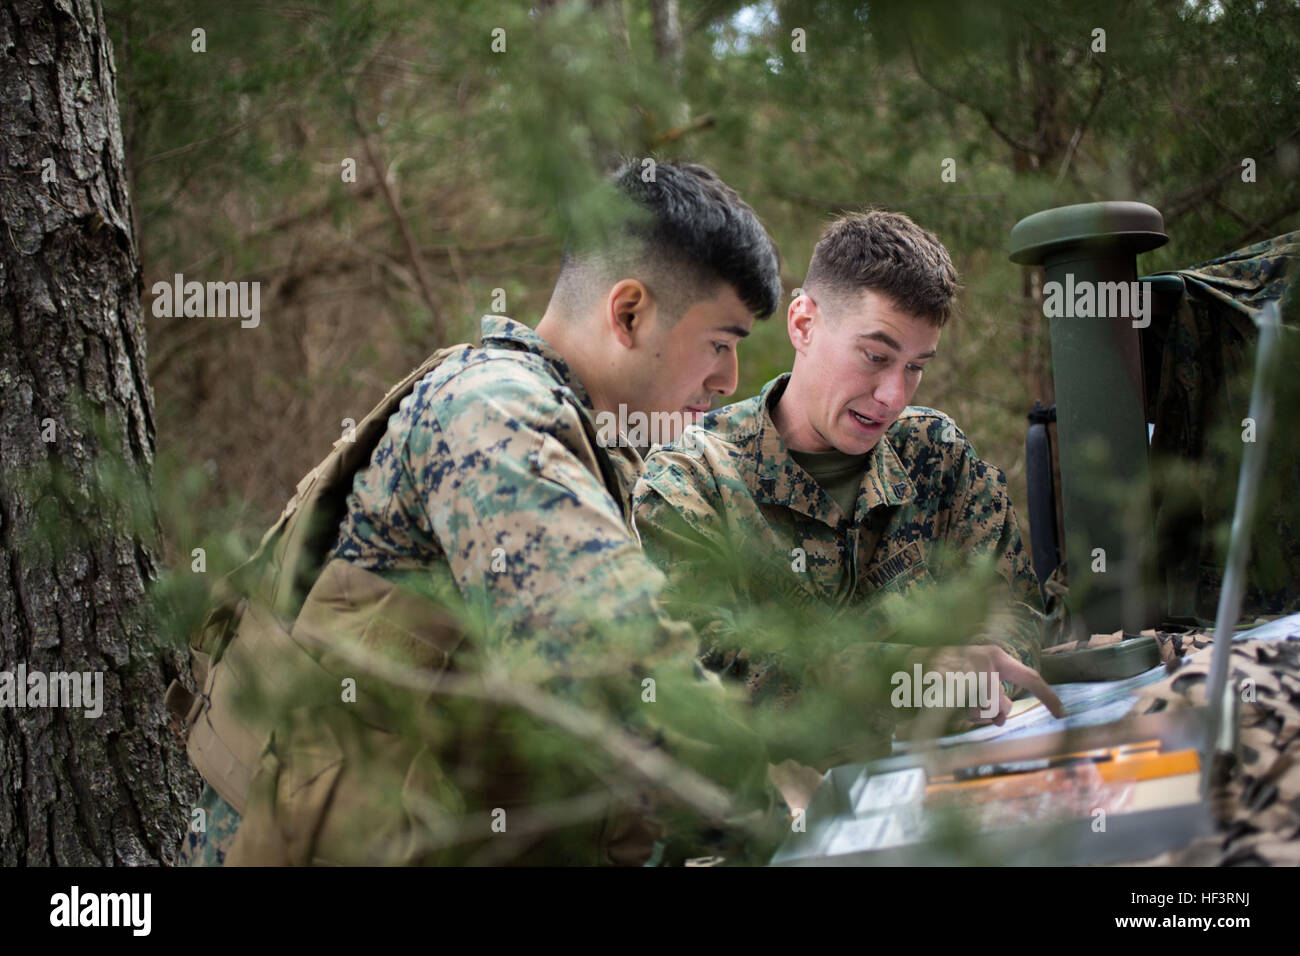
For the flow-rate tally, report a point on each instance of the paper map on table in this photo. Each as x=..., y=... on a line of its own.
x=1089, y=704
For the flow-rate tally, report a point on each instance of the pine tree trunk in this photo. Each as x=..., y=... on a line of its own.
x=75, y=790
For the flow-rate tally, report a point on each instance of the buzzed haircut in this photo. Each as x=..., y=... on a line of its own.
x=691, y=234
x=889, y=254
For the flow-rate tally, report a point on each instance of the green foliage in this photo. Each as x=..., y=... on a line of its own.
x=493, y=158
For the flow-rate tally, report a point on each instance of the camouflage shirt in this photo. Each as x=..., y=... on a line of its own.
x=492, y=468
x=732, y=479
x=489, y=477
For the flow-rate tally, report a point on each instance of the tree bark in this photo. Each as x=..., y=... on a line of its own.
x=76, y=435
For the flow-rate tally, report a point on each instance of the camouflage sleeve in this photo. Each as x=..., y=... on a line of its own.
x=513, y=492
x=684, y=528
x=536, y=540
x=677, y=510
x=983, y=524
x=712, y=573
x=680, y=519
x=683, y=525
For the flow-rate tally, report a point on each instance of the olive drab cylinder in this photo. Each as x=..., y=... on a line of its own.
x=1096, y=309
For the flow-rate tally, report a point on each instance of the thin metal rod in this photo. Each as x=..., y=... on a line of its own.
x=1248, y=481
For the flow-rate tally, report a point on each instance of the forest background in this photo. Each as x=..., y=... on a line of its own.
x=470, y=163
x=389, y=171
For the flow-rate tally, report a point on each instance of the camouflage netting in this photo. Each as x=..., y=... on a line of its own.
x=1257, y=803
x=1206, y=361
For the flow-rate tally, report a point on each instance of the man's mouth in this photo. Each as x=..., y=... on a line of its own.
x=697, y=409
x=866, y=422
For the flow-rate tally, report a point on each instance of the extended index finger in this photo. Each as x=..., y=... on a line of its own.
x=1024, y=676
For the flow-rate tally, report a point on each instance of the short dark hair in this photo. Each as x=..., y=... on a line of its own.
x=691, y=233
x=887, y=253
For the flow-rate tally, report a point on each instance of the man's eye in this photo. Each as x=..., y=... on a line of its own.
x=720, y=347
x=918, y=369
x=875, y=358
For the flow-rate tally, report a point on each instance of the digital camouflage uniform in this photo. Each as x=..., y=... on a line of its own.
x=492, y=462
x=490, y=473
x=731, y=482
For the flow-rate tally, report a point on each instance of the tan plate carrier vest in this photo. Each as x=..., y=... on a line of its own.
x=240, y=638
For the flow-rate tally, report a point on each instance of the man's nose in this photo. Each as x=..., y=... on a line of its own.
x=892, y=390
x=726, y=377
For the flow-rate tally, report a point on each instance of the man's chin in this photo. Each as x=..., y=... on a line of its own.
x=856, y=444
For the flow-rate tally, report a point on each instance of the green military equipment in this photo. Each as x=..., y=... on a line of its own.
x=1128, y=658
x=1096, y=311
x=1041, y=485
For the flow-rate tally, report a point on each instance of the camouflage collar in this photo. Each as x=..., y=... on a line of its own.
x=505, y=332
x=780, y=480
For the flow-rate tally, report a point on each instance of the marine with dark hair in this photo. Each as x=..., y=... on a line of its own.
x=682, y=231
x=830, y=463
x=490, y=475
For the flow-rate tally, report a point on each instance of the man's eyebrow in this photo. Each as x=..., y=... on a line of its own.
x=888, y=340
x=739, y=331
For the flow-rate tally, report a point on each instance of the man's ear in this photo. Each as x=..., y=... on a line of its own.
x=801, y=321
x=629, y=311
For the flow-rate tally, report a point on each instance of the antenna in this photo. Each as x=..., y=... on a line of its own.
x=1220, y=697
